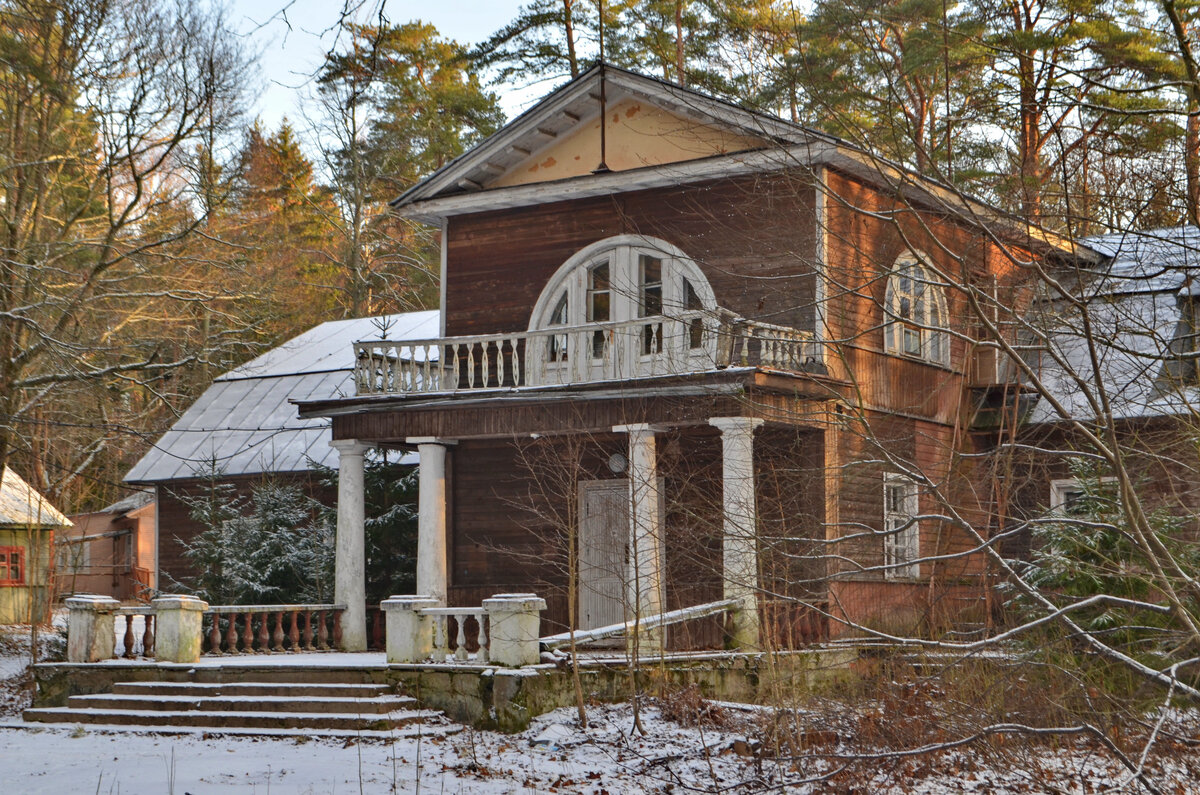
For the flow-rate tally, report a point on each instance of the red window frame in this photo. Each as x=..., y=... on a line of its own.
x=12, y=558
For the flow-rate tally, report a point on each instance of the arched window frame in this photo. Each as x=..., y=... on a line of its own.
x=916, y=319
x=572, y=279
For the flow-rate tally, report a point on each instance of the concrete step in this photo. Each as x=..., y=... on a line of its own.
x=376, y=705
x=290, y=689
x=231, y=719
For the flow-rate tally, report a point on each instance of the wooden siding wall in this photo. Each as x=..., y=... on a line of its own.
x=752, y=237
x=512, y=503
x=176, y=527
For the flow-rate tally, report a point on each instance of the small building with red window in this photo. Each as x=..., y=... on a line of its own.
x=27, y=526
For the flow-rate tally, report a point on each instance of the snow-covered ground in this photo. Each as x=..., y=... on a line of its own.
x=731, y=754
x=554, y=755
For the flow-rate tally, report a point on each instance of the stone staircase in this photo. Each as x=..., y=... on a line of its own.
x=262, y=706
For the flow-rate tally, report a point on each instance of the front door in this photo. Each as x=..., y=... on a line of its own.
x=603, y=541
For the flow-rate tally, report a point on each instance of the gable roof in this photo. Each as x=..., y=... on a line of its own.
x=22, y=506
x=480, y=179
x=574, y=107
x=1134, y=309
x=245, y=423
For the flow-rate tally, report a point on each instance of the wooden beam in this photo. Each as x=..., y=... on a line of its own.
x=571, y=117
x=520, y=150
x=494, y=168
x=469, y=184
x=547, y=133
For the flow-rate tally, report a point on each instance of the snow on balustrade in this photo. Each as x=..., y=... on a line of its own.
x=693, y=342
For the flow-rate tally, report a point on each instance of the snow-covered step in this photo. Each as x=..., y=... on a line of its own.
x=376, y=705
x=295, y=690
x=231, y=719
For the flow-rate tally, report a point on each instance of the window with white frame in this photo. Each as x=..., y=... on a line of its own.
x=915, y=309
x=625, y=278
x=1067, y=494
x=902, y=531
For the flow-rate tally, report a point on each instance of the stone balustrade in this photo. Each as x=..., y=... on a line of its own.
x=691, y=342
x=263, y=629
x=502, y=631
x=182, y=628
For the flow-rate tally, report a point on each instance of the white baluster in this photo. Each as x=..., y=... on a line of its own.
x=485, y=365
x=484, y=641
x=460, y=653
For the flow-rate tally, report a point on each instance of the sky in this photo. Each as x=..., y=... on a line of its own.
x=289, y=57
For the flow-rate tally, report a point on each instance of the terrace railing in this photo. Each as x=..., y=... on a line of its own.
x=692, y=342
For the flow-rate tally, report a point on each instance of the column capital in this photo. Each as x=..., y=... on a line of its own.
x=736, y=424
x=430, y=440
x=638, y=428
x=349, y=446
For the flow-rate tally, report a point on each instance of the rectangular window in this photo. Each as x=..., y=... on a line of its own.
x=902, y=542
x=650, y=302
x=599, y=302
x=1066, y=496
x=12, y=565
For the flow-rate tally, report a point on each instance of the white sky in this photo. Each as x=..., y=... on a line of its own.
x=290, y=57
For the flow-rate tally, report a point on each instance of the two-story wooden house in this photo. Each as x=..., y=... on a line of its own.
x=689, y=353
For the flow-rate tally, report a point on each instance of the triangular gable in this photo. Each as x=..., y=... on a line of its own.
x=649, y=123
x=638, y=133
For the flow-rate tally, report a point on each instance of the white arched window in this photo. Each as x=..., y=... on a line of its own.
x=915, y=312
x=631, y=305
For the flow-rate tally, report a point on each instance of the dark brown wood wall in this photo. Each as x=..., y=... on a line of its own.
x=176, y=527
x=753, y=237
x=512, y=503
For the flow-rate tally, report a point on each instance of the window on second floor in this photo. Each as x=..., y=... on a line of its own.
x=915, y=313
x=619, y=281
x=902, y=530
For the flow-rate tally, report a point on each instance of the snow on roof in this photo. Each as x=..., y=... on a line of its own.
x=22, y=506
x=1136, y=318
x=244, y=423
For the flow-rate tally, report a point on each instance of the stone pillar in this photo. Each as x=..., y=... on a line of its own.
x=644, y=576
x=177, y=635
x=91, y=636
x=513, y=623
x=409, y=634
x=431, y=518
x=740, y=545
x=350, y=564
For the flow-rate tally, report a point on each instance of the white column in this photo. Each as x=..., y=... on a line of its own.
x=740, y=544
x=644, y=577
x=350, y=563
x=431, y=518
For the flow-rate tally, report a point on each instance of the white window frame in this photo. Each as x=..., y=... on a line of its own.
x=920, y=331
x=902, y=530
x=1061, y=488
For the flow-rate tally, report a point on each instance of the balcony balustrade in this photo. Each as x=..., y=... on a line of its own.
x=690, y=343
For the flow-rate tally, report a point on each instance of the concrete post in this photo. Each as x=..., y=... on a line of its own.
x=645, y=572
x=91, y=636
x=350, y=566
x=409, y=634
x=513, y=623
x=431, y=518
x=740, y=545
x=177, y=634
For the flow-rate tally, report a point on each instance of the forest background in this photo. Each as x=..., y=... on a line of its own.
x=154, y=234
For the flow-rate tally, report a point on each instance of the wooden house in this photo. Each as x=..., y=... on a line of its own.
x=111, y=552
x=243, y=431
x=27, y=527
x=688, y=353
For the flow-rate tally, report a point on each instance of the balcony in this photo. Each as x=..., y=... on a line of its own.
x=686, y=344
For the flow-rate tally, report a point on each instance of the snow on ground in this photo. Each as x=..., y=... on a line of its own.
x=554, y=755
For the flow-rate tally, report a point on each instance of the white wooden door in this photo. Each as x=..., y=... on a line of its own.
x=603, y=544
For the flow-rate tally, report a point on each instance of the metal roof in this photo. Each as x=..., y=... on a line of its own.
x=22, y=506
x=244, y=423
x=1136, y=320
